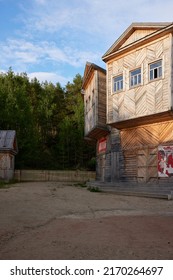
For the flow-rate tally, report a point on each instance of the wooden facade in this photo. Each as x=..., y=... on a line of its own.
x=94, y=89
x=150, y=97
x=140, y=148
x=8, y=150
x=139, y=106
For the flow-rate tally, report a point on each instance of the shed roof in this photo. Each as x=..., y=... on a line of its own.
x=8, y=141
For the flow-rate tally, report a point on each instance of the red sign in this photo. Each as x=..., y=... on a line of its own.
x=165, y=161
x=102, y=145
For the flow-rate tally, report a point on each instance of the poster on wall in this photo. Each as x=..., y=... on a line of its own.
x=165, y=161
x=102, y=145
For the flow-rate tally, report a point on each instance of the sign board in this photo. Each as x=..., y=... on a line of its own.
x=165, y=161
x=102, y=145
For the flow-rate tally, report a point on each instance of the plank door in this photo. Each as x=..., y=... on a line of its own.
x=142, y=165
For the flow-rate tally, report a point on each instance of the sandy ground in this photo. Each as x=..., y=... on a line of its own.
x=63, y=221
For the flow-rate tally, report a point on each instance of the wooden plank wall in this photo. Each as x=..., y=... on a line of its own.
x=149, y=98
x=90, y=105
x=140, y=148
x=101, y=99
x=137, y=34
x=95, y=98
x=53, y=175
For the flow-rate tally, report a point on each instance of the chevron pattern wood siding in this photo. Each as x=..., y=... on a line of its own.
x=148, y=98
x=137, y=34
x=140, y=148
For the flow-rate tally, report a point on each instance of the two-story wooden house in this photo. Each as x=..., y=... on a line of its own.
x=139, y=105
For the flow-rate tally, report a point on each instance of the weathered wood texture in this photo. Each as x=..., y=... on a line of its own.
x=110, y=163
x=138, y=34
x=54, y=175
x=8, y=150
x=140, y=150
x=101, y=99
x=132, y=154
x=95, y=106
x=149, y=98
x=90, y=105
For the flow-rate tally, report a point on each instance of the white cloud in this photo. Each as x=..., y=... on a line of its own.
x=41, y=2
x=97, y=17
x=22, y=52
x=52, y=34
x=49, y=77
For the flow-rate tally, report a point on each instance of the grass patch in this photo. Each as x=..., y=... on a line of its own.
x=3, y=185
x=6, y=185
x=93, y=189
x=82, y=185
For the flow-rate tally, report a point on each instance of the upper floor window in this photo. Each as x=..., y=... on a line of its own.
x=117, y=83
x=135, y=77
x=155, y=70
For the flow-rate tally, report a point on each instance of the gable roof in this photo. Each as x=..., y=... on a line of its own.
x=89, y=68
x=8, y=141
x=155, y=29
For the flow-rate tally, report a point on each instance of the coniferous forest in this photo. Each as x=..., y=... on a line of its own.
x=49, y=122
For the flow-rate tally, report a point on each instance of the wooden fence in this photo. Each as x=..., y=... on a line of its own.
x=53, y=175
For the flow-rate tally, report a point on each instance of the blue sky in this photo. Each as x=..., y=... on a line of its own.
x=53, y=39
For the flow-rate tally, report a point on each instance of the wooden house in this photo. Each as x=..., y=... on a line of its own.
x=139, y=104
x=96, y=130
x=8, y=150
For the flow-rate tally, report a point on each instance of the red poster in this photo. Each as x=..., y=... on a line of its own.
x=165, y=161
x=102, y=145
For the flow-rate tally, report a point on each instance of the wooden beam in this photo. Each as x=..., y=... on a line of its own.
x=150, y=119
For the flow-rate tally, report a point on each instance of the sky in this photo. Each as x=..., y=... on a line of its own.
x=53, y=39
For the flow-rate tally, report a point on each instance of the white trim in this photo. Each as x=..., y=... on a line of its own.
x=162, y=65
x=139, y=84
x=112, y=83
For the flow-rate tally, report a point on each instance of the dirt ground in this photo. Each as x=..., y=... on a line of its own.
x=60, y=221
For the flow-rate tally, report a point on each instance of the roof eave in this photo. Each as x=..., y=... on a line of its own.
x=92, y=67
x=114, y=50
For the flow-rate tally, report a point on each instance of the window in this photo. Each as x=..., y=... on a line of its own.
x=155, y=70
x=135, y=77
x=118, y=83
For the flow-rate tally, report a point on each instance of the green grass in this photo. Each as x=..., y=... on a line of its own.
x=3, y=185
x=6, y=185
x=82, y=185
x=93, y=189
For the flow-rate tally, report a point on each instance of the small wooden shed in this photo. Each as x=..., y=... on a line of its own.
x=8, y=150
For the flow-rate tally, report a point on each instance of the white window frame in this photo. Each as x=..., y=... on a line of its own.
x=156, y=72
x=135, y=78
x=117, y=85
